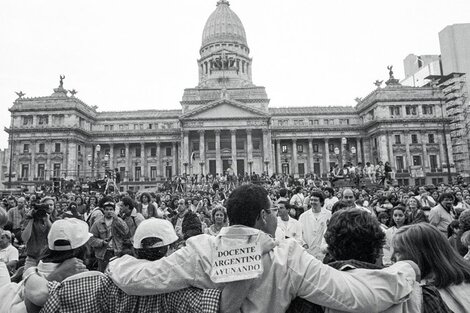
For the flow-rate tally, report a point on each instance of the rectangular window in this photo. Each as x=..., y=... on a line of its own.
x=399, y=163
x=315, y=148
x=431, y=138
x=150, y=126
x=211, y=145
x=168, y=151
x=111, y=127
x=310, y=122
x=28, y=120
x=226, y=144
x=416, y=160
x=43, y=119
x=397, y=139
x=136, y=126
x=24, y=170
x=240, y=145
x=122, y=172
x=395, y=111
x=56, y=172
x=41, y=170
x=300, y=148
x=316, y=122
x=414, y=138
x=106, y=127
x=138, y=172
x=331, y=147
x=332, y=122
x=195, y=146
x=122, y=153
x=26, y=148
x=411, y=110
x=153, y=172
x=326, y=122
x=57, y=147
x=138, y=152
x=284, y=148
x=153, y=152
x=433, y=161
x=42, y=148
x=301, y=167
x=256, y=144
x=427, y=109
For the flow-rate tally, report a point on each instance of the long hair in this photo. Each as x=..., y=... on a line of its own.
x=425, y=245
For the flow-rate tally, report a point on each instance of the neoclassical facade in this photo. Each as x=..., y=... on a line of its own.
x=225, y=124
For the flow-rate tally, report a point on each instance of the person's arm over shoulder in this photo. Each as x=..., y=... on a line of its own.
x=355, y=291
x=434, y=216
x=181, y=269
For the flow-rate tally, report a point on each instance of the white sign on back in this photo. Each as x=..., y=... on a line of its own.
x=236, y=262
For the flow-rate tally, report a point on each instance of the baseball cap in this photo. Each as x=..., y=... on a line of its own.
x=155, y=228
x=72, y=230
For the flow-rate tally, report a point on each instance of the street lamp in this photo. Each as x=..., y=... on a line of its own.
x=98, y=160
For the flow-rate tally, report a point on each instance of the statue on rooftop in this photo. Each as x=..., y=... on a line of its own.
x=73, y=92
x=62, y=77
x=20, y=94
x=390, y=71
x=378, y=83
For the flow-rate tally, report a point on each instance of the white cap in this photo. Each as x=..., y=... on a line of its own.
x=155, y=228
x=72, y=230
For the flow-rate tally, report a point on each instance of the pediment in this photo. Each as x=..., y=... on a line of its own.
x=224, y=109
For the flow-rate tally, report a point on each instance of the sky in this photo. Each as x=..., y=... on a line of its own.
x=136, y=55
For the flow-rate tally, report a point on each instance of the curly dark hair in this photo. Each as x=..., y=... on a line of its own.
x=354, y=234
x=245, y=204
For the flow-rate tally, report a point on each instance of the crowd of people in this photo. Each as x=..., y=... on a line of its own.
x=314, y=248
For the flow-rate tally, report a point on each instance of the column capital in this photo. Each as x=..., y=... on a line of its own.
x=248, y=131
x=126, y=144
x=310, y=140
x=327, y=139
x=294, y=140
x=201, y=131
x=265, y=130
x=217, y=131
x=233, y=132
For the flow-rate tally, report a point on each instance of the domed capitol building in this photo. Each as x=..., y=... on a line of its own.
x=225, y=122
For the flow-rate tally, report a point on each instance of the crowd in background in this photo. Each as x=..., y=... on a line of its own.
x=307, y=209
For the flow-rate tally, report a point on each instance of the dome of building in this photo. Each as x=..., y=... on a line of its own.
x=223, y=25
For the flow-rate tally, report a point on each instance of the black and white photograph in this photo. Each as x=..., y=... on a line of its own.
x=235, y=156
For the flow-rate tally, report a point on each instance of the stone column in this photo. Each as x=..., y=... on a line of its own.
x=32, y=171
x=310, y=155
x=390, y=151
x=359, y=150
x=218, y=160
x=249, y=145
x=278, y=156
x=48, y=162
x=425, y=152
x=111, y=157
x=409, y=161
x=173, y=156
x=265, y=150
x=442, y=155
x=143, y=162
x=269, y=157
x=202, y=152
x=65, y=160
x=128, y=160
x=233, y=133
x=326, y=154
x=186, y=146
x=383, y=148
x=294, y=158
x=159, y=161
